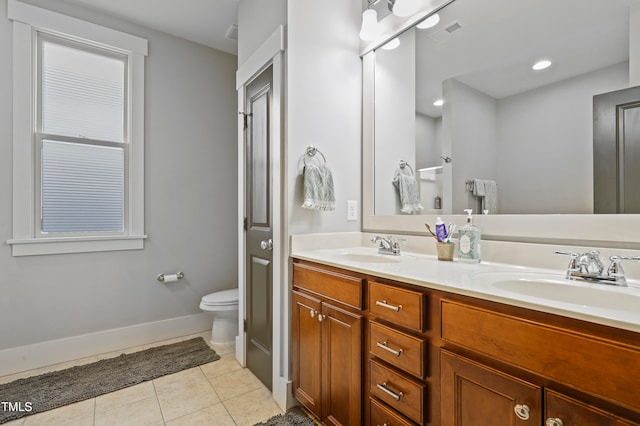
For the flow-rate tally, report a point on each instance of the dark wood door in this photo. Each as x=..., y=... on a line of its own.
x=306, y=352
x=342, y=345
x=561, y=410
x=616, y=151
x=475, y=395
x=259, y=226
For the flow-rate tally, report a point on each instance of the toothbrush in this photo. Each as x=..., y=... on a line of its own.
x=426, y=225
x=451, y=231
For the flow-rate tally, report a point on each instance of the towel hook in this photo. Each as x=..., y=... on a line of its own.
x=446, y=159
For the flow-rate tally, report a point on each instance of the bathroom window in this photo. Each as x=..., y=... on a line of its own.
x=78, y=135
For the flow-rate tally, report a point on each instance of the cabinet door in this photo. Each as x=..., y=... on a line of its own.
x=341, y=366
x=560, y=410
x=475, y=395
x=305, y=346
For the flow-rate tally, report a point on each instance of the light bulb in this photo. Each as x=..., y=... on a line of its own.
x=369, y=30
x=438, y=102
x=405, y=8
x=431, y=21
x=542, y=64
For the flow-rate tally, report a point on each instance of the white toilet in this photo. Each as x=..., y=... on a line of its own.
x=224, y=307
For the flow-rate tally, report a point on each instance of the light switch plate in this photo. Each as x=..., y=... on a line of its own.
x=352, y=210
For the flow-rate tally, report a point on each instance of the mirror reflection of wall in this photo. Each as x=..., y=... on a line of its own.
x=529, y=131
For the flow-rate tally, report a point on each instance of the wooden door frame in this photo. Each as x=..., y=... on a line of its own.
x=270, y=53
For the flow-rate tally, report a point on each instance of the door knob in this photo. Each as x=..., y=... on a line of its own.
x=266, y=244
x=554, y=422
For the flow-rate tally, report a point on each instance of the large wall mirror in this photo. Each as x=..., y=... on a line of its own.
x=459, y=105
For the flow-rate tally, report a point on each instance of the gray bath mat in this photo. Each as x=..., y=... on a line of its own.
x=35, y=394
x=293, y=416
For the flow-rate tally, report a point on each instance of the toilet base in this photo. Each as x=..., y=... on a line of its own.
x=224, y=329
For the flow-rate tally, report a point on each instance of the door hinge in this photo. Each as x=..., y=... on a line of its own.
x=244, y=325
x=244, y=224
x=245, y=118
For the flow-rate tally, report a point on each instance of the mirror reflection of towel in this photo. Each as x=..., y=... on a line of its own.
x=407, y=188
x=487, y=191
x=319, y=193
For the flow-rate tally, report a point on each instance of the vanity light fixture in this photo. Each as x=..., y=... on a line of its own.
x=392, y=44
x=438, y=102
x=541, y=65
x=404, y=8
x=369, y=30
x=430, y=22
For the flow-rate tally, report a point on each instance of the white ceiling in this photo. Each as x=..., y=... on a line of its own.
x=202, y=21
x=501, y=39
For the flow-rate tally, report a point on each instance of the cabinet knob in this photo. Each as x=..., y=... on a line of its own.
x=554, y=422
x=321, y=317
x=522, y=411
x=312, y=313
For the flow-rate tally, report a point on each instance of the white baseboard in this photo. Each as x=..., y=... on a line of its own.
x=38, y=355
x=282, y=393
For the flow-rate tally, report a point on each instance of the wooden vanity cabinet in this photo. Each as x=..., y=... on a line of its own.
x=550, y=351
x=371, y=351
x=327, y=344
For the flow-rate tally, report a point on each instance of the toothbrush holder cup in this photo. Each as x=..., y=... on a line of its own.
x=445, y=250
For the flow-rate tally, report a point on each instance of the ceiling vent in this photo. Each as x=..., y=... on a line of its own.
x=447, y=31
x=232, y=32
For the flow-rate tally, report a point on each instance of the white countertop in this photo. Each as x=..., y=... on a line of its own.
x=545, y=290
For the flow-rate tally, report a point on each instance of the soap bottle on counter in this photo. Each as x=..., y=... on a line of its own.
x=469, y=241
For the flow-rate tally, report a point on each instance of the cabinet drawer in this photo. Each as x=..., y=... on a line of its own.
x=590, y=363
x=401, y=393
x=572, y=412
x=397, y=305
x=331, y=285
x=397, y=348
x=381, y=415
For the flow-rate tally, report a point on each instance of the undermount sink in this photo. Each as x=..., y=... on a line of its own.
x=554, y=288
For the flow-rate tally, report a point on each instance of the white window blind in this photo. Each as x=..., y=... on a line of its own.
x=82, y=188
x=82, y=93
x=83, y=139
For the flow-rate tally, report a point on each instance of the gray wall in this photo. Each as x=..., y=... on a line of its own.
x=546, y=144
x=190, y=204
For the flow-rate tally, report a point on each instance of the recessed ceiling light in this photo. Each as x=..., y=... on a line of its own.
x=392, y=44
x=431, y=21
x=438, y=102
x=541, y=65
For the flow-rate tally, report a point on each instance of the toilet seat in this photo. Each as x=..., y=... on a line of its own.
x=220, y=300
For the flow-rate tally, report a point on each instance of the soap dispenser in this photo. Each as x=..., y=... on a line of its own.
x=469, y=241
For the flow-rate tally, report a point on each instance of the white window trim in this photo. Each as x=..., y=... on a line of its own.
x=28, y=19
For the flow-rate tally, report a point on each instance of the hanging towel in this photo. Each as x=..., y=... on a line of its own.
x=318, y=188
x=478, y=188
x=405, y=183
x=490, y=201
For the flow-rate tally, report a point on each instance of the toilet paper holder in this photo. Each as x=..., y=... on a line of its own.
x=178, y=275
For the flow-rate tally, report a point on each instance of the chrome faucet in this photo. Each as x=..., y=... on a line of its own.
x=589, y=267
x=388, y=245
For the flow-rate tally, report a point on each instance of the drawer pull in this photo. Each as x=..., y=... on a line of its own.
x=522, y=411
x=383, y=388
x=384, y=304
x=554, y=422
x=384, y=346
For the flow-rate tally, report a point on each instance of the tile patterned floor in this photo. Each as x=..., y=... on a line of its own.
x=220, y=393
